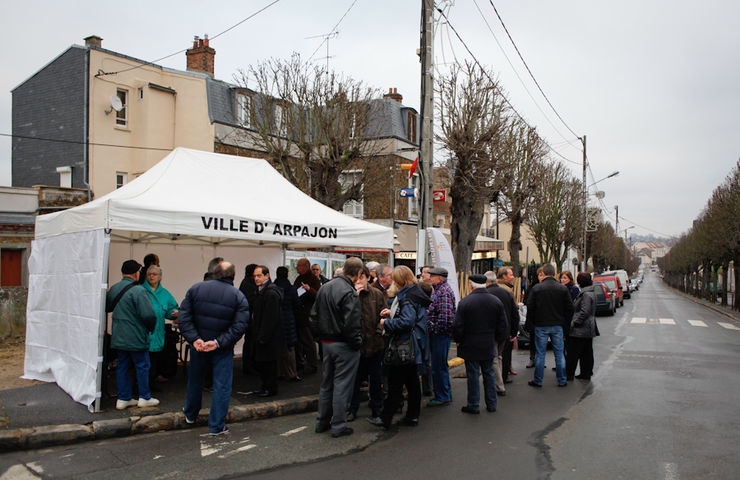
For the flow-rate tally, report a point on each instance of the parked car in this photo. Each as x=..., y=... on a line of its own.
x=614, y=286
x=605, y=301
x=624, y=281
x=634, y=285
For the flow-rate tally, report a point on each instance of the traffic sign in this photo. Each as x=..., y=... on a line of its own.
x=409, y=192
x=439, y=195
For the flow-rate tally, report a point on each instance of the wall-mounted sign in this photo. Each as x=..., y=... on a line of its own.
x=409, y=192
x=439, y=195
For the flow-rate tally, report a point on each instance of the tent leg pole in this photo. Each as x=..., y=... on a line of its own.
x=103, y=324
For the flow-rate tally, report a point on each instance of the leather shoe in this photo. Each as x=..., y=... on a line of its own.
x=501, y=394
x=570, y=379
x=467, y=409
x=351, y=416
x=532, y=384
x=321, y=428
x=583, y=377
x=563, y=384
x=265, y=393
x=343, y=432
x=490, y=409
x=530, y=365
x=409, y=422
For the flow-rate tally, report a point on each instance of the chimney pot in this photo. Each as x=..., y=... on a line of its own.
x=394, y=95
x=93, y=41
x=200, y=58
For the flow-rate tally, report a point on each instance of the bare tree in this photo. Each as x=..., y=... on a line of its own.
x=473, y=124
x=319, y=129
x=556, y=220
x=519, y=175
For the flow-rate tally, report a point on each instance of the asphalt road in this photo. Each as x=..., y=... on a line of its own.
x=662, y=405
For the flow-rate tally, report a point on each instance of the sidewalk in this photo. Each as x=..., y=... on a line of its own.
x=724, y=310
x=44, y=415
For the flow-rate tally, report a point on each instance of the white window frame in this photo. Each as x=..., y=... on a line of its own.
x=122, y=115
x=353, y=208
x=244, y=110
x=65, y=176
x=279, y=115
x=121, y=179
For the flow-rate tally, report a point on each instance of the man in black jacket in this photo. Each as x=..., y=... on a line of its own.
x=480, y=323
x=268, y=340
x=336, y=321
x=549, y=307
x=502, y=363
x=213, y=315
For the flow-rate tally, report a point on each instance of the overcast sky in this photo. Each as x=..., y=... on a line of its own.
x=653, y=85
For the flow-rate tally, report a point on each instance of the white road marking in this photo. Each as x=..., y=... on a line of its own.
x=18, y=472
x=209, y=448
x=238, y=450
x=639, y=320
x=671, y=471
x=293, y=432
x=157, y=457
x=697, y=323
x=729, y=326
x=667, y=321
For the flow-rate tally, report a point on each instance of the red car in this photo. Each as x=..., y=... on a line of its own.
x=614, y=286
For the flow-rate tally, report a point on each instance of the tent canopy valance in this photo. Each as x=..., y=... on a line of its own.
x=192, y=194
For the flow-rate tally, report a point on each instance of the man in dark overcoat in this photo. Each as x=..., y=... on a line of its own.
x=480, y=323
x=269, y=346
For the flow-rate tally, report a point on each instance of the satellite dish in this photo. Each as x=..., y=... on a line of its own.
x=115, y=104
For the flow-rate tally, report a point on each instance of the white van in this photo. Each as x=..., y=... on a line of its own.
x=623, y=279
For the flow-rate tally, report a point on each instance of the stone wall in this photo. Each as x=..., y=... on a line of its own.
x=12, y=311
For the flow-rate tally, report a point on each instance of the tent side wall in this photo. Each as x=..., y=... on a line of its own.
x=63, y=316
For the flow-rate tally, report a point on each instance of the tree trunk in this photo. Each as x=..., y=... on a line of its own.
x=467, y=216
x=515, y=244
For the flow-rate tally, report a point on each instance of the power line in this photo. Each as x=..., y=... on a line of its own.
x=493, y=82
x=332, y=30
x=646, y=228
x=101, y=73
x=516, y=72
x=530, y=71
x=79, y=142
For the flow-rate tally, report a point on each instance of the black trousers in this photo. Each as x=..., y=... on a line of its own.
x=506, y=359
x=580, y=350
x=268, y=374
x=398, y=376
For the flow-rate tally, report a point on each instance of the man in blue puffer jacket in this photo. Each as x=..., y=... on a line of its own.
x=213, y=316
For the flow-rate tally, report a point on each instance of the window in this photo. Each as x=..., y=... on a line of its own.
x=244, y=110
x=349, y=179
x=11, y=262
x=122, y=114
x=280, y=120
x=411, y=127
x=65, y=176
x=121, y=179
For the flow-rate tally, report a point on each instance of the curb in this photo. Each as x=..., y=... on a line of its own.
x=705, y=304
x=53, y=435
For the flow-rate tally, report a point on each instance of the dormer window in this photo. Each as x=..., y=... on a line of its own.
x=411, y=126
x=244, y=110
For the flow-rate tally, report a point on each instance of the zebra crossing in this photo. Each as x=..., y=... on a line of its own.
x=672, y=321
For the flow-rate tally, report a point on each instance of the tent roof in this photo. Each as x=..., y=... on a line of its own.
x=194, y=195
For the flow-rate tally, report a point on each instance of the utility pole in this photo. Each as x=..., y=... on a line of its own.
x=585, y=207
x=426, y=138
x=616, y=220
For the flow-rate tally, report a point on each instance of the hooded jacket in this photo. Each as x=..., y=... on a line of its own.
x=411, y=318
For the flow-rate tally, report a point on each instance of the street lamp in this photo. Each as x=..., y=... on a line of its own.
x=613, y=174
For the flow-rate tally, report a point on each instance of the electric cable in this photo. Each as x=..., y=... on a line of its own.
x=530, y=71
x=79, y=142
x=101, y=73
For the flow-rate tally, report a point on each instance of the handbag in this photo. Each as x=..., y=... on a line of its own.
x=400, y=351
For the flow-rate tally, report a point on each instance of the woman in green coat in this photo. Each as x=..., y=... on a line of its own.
x=165, y=307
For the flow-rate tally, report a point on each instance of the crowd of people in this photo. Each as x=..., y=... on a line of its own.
x=371, y=324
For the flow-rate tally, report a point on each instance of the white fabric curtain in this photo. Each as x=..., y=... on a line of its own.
x=63, y=313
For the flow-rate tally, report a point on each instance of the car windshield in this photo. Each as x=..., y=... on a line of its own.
x=610, y=284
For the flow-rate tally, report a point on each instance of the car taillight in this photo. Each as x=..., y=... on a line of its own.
x=606, y=292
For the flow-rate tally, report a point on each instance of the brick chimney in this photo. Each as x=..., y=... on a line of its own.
x=93, y=41
x=200, y=57
x=394, y=95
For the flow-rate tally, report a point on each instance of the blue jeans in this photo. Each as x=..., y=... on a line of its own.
x=221, y=362
x=541, y=335
x=440, y=348
x=123, y=381
x=473, y=370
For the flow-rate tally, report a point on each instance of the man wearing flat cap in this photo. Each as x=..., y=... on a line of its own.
x=480, y=323
x=440, y=317
x=133, y=320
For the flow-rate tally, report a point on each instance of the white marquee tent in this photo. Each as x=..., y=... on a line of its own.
x=191, y=206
